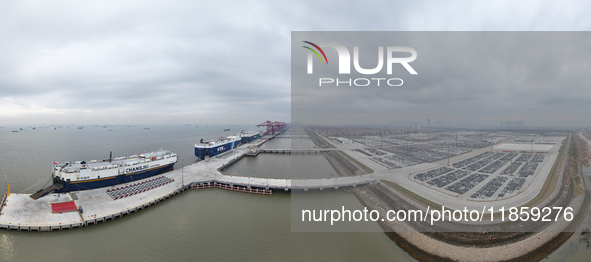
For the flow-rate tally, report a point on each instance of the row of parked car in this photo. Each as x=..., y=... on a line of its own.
x=432, y=173
x=537, y=158
x=511, y=168
x=514, y=185
x=524, y=158
x=468, y=173
x=528, y=169
x=490, y=188
x=471, y=160
x=448, y=178
x=494, y=166
x=467, y=183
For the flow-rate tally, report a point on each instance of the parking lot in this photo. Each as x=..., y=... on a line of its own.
x=494, y=166
x=458, y=165
x=432, y=173
x=538, y=158
x=524, y=158
x=449, y=178
x=491, y=169
x=509, y=156
x=528, y=169
x=375, y=151
x=490, y=188
x=514, y=185
x=511, y=168
x=467, y=183
x=403, y=160
x=489, y=174
x=472, y=160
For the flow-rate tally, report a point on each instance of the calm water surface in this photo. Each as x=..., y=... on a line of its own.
x=205, y=224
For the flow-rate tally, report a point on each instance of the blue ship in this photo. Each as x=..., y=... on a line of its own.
x=215, y=147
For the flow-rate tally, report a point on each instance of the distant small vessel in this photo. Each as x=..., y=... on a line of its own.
x=227, y=129
x=146, y=128
x=21, y=129
x=14, y=131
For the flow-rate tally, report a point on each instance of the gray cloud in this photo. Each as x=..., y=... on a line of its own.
x=206, y=61
x=480, y=77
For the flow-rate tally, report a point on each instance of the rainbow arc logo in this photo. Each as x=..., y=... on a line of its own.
x=319, y=49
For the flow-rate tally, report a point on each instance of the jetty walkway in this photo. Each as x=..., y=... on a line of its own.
x=296, y=151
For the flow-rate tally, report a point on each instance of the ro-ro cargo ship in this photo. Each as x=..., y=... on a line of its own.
x=215, y=147
x=83, y=175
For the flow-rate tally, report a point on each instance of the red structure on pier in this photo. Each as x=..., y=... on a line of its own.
x=274, y=127
x=63, y=207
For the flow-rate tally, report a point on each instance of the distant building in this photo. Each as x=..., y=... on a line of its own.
x=512, y=123
x=524, y=147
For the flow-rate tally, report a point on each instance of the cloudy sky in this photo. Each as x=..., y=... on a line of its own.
x=148, y=62
x=464, y=78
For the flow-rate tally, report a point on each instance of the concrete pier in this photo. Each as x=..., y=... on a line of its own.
x=20, y=212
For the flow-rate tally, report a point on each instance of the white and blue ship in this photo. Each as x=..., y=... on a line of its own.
x=221, y=145
x=215, y=147
x=82, y=175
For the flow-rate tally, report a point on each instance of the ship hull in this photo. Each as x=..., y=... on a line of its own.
x=201, y=152
x=248, y=139
x=112, y=180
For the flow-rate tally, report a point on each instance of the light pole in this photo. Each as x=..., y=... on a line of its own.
x=182, y=173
